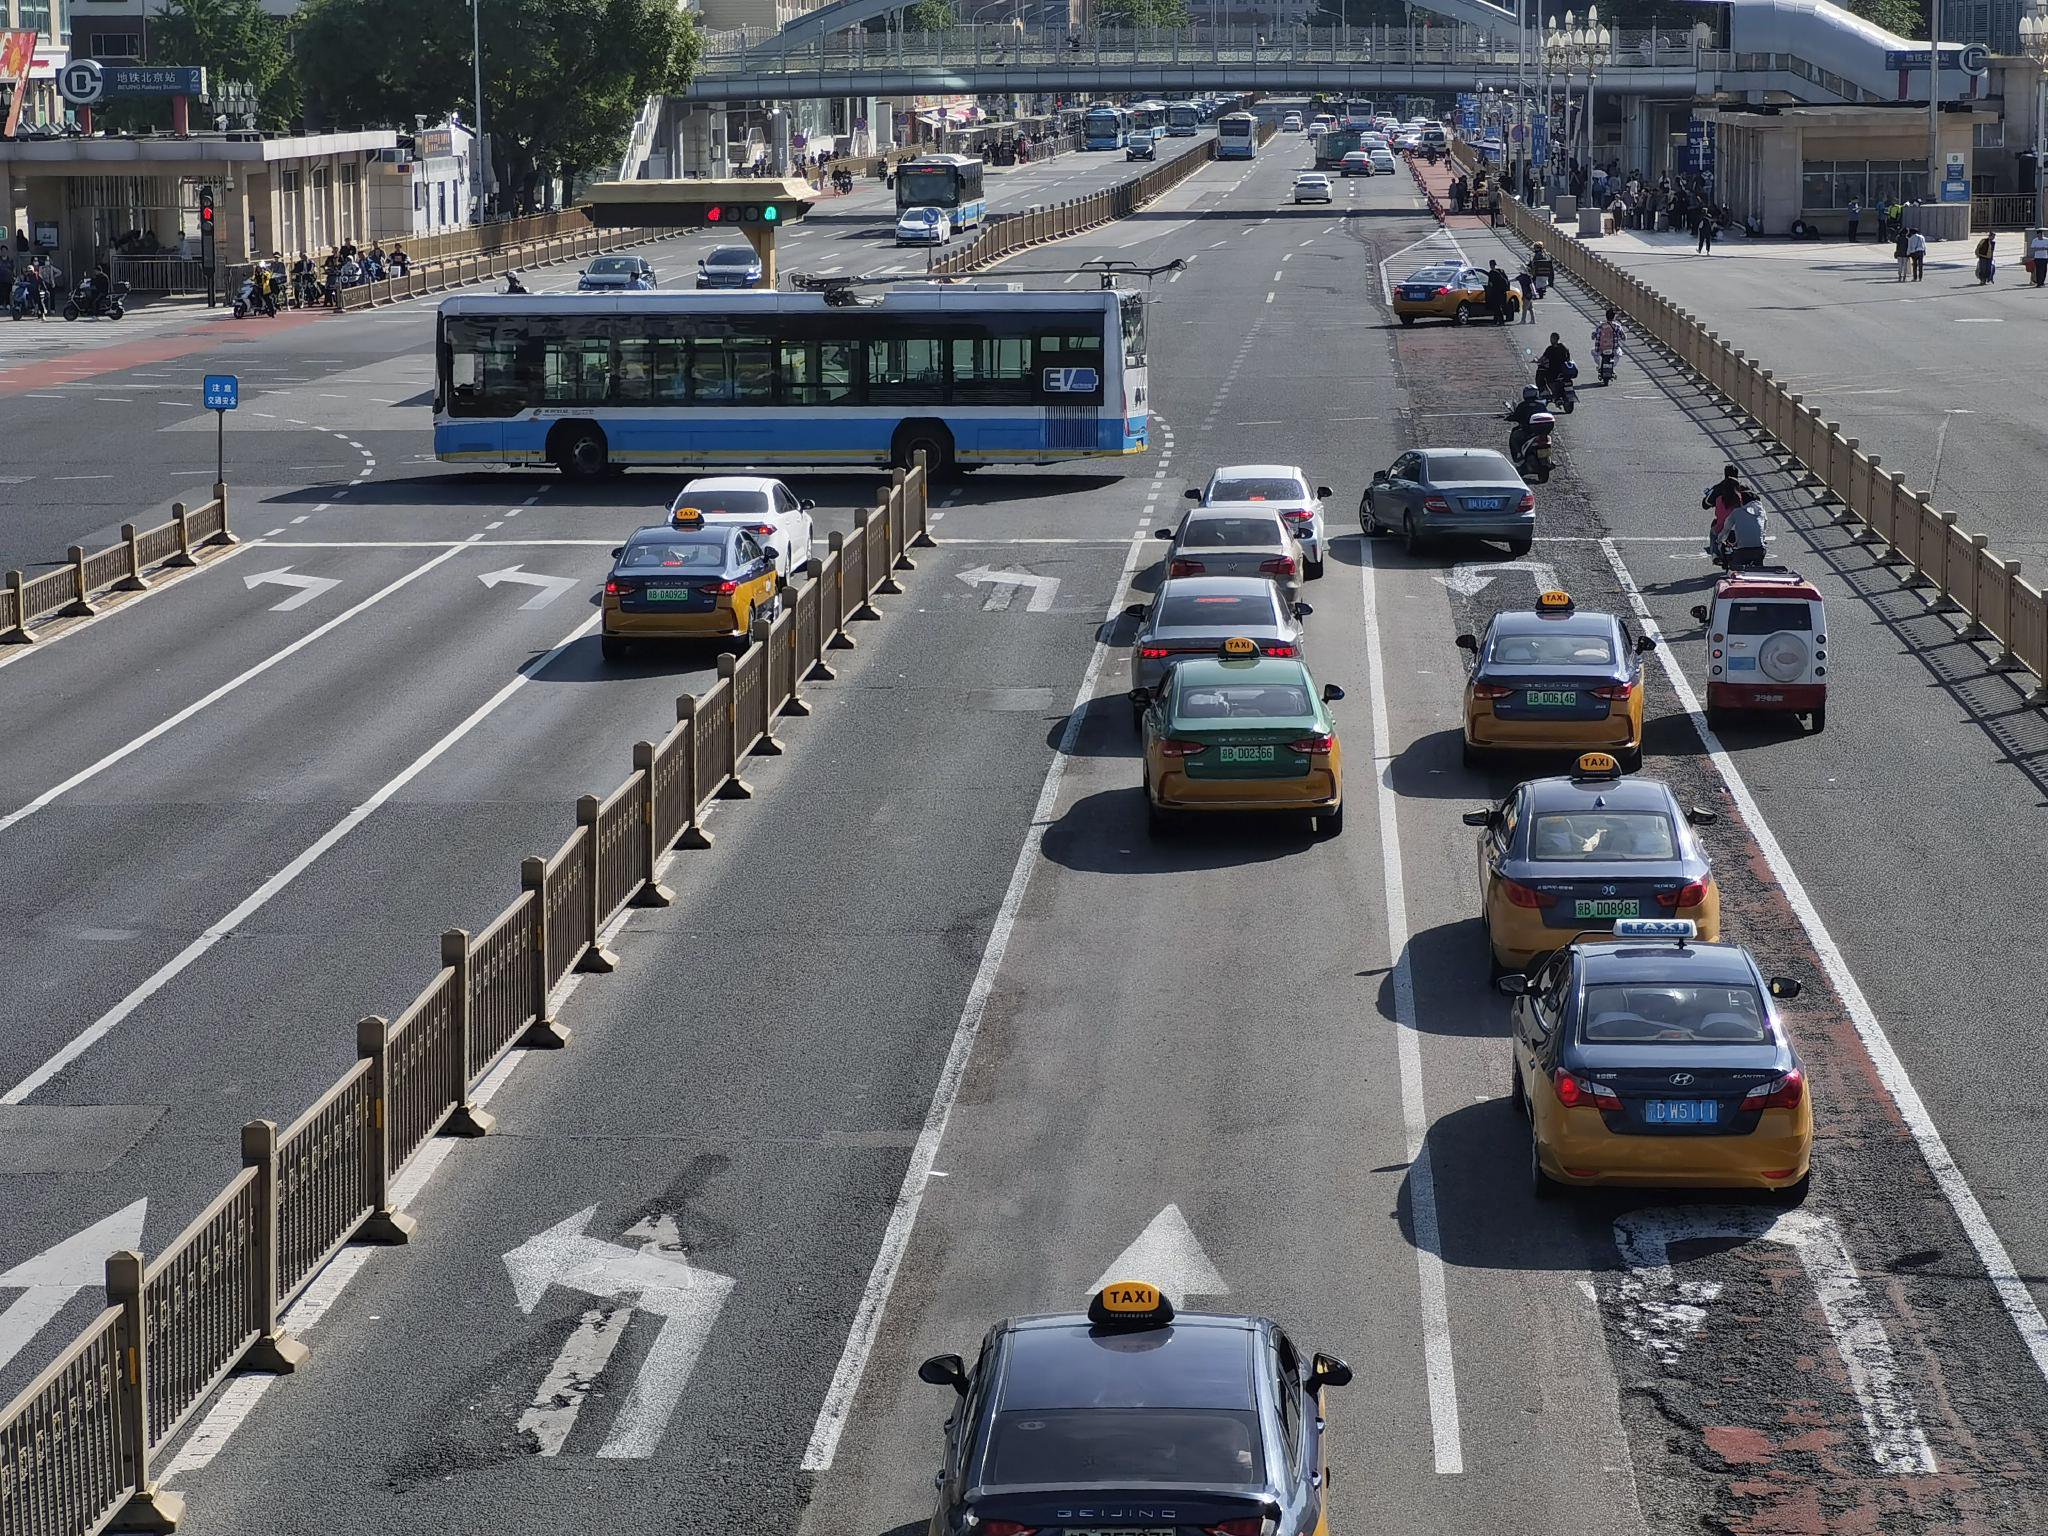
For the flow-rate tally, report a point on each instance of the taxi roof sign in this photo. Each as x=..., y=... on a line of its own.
x=686, y=517
x=1555, y=602
x=1680, y=928
x=1596, y=765
x=1238, y=645
x=1130, y=1304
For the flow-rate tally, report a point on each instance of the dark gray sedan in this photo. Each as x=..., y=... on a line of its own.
x=1194, y=615
x=1236, y=539
x=1451, y=493
x=730, y=266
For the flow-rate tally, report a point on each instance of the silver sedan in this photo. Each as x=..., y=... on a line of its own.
x=1194, y=615
x=1451, y=493
x=1244, y=539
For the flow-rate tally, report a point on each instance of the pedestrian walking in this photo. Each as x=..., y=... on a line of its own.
x=1527, y=285
x=1916, y=251
x=1705, y=231
x=1493, y=207
x=1987, y=259
x=2037, y=248
x=1496, y=293
x=1900, y=254
x=1855, y=218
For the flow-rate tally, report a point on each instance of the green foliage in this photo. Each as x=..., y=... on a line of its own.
x=233, y=40
x=1143, y=13
x=1908, y=18
x=929, y=16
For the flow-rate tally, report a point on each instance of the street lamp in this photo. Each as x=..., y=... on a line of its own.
x=476, y=128
x=2034, y=44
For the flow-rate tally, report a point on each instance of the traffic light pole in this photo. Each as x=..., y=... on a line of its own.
x=762, y=238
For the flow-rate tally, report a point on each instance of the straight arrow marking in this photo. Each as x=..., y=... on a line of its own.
x=551, y=587
x=309, y=587
x=51, y=1278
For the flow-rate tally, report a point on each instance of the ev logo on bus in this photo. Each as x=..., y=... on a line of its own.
x=1071, y=381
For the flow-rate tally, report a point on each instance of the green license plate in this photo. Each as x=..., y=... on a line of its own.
x=1606, y=908
x=667, y=594
x=1540, y=698
x=1245, y=755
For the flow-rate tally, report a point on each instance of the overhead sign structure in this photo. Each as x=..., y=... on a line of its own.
x=87, y=82
x=752, y=206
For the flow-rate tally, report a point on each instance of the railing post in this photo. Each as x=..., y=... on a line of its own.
x=18, y=633
x=889, y=507
x=821, y=670
x=1943, y=600
x=1974, y=628
x=545, y=1033
x=220, y=494
x=920, y=489
x=133, y=581
x=864, y=610
x=762, y=634
x=468, y=1119
x=184, y=556
x=652, y=893
x=735, y=788
x=149, y=1508
x=597, y=960
x=80, y=606
x=2005, y=660
x=693, y=834
x=273, y=1350
x=384, y=1225
x=839, y=639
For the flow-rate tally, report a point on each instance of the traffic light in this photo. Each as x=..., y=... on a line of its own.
x=743, y=213
x=696, y=204
x=206, y=213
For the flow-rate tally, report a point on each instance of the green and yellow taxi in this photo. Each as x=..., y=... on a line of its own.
x=1241, y=731
x=688, y=579
x=1555, y=678
x=1564, y=857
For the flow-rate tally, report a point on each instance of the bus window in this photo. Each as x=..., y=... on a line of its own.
x=650, y=371
x=731, y=371
x=991, y=370
x=485, y=379
x=904, y=370
x=1132, y=308
x=816, y=372
x=577, y=370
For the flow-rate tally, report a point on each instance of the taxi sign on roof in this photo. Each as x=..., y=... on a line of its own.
x=1554, y=602
x=1655, y=928
x=1130, y=1304
x=1596, y=765
x=1238, y=645
x=686, y=517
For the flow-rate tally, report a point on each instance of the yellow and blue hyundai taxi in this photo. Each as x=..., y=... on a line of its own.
x=1555, y=677
x=688, y=579
x=1648, y=1058
x=1132, y=1420
x=1240, y=731
x=1572, y=855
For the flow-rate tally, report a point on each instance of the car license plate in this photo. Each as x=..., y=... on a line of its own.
x=1598, y=909
x=1682, y=1111
x=1761, y=697
x=1482, y=503
x=1741, y=663
x=1246, y=755
x=1121, y=1530
x=1414, y=293
x=667, y=594
x=1540, y=698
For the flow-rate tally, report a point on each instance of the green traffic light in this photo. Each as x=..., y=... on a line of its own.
x=770, y=214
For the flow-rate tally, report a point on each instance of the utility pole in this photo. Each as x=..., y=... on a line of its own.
x=1933, y=101
x=476, y=145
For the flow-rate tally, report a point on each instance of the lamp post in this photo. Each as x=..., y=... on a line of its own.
x=476, y=128
x=2034, y=44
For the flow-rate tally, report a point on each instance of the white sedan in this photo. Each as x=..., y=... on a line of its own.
x=1283, y=488
x=924, y=226
x=1312, y=187
x=1383, y=161
x=766, y=508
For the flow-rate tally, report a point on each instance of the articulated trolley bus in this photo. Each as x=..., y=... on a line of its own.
x=1237, y=136
x=972, y=375
x=1106, y=127
x=1182, y=119
x=951, y=182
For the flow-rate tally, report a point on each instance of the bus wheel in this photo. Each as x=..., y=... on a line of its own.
x=929, y=438
x=580, y=452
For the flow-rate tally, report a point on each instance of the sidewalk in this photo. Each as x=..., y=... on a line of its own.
x=1435, y=181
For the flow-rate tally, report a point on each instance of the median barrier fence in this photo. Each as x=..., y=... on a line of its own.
x=71, y=592
x=483, y=263
x=78, y=1444
x=1929, y=547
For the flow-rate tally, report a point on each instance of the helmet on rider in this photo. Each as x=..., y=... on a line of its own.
x=1531, y=392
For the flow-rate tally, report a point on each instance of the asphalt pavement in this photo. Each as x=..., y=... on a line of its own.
x=937, y=1034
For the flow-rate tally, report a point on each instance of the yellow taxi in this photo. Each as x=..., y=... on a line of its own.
x=1650, y=1059
x=1555, y=678
x=1567, y=856
x=1241, y=731
x=1451, y=291
x=688, y=579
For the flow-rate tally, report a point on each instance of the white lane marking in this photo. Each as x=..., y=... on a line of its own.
x=1386, y=288
x=548, y=587
x=1168, y=1254
x=257, y=899
x=308, y=587
x=568, y=1382
x=1891, y=1071
x=50, y=1279
x=867, y=1319
x=1663, y=1313
x=1438, y=1368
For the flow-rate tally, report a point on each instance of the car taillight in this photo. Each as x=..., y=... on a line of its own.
x=1614, y=691
x=612, y=589
x=1443, y=293
x=1528, y=500
x=762, y=529
x=1688, y=895
x=1278, y=648
x=1186, y=568
x=1153, y=653
x=1572, y=1092
x=1283, y=566
x=1314, y=746
x=1183, y=748
x=720, y=588
x=1527, y=895
x=1297, y=514
x=1435, y=504
x=1490, y=691
x=1251, y=1525
x=1779, y=1093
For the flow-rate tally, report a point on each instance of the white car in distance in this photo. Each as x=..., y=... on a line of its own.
x=766, y=508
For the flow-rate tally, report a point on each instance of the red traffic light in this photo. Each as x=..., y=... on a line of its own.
x=714, y=215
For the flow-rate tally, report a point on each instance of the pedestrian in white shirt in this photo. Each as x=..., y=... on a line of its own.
x=2037, y=255
x=1916, y=250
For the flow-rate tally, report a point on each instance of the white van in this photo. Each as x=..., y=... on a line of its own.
x=1767, y=639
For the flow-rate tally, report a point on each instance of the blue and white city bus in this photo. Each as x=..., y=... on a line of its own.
x=1106, y=127
x=1148, y=116
x=951, y=182
x=971, y=375
x=1182, y=119
x=1237, y=136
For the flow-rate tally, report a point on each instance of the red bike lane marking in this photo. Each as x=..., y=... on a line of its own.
x=95, y=362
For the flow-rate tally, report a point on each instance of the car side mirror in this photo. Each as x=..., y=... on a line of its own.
x=1700, y=816
x=1192, y=494
x=1699, y=611
x=1468, y=643
x=1302, y=610
x=1328, y=1371
x=806, y=505
x=1483, y=818
x=618, y=552
x=768, y=555
x=1324, y=493
x=1162, y=533
x=1646, y=644
x=1136, y=611
x=1332, y=693
x=1785, y=987
x=945, y=1371
x=1513, y=984
x=1381, y=477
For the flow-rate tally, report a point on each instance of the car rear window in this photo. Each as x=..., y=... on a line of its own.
x=1768, y=618
x=1243, y=701
x=747, y=503
x=1621, y=1013
x=1259, y=488
x=1469, y=466
x=1552, y=650
x=1231, y=532
x=1602, y=837
x=690, y=557
x=1124, y=1447
x=1245, y=609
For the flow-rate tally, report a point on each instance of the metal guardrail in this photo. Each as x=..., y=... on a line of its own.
x=77, y=1445
x=482, y=266
x=123, y=567
x=1935, y=554
x=2003, y=211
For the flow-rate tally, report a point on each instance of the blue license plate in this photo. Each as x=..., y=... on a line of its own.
x=1682, y=1111
x=1483, y=503
x=1741, y=663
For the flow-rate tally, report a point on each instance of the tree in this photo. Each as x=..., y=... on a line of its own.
x=231, y=40
x=1144, y=13
x=563, y=79
x=930, y=16
x=1906, y=18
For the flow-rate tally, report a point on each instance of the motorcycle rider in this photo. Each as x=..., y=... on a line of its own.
x=1740, y=542
x=263, y=292
x=1607, y=341
x=1522, y=415
x=1550, y=367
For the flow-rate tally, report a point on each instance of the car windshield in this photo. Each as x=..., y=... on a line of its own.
x=1768, y=618
x=747, y=503
x=1553, y=650
x=730, y=256
x=615, y=264
x=1231, y=532
x=920, y=215
x=1216, y=610
x=1469, y=466
x=1623, y=1012
x=1244, y=701
x=1259, y=488
x=1602, y=836
x=695, y=556
x=1124, y=1447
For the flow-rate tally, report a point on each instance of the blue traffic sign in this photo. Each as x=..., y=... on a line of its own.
x=222, y=391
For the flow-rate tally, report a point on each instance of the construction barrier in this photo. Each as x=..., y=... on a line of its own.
x=77, y=1445
x=1928, y=547
x=71, y=592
